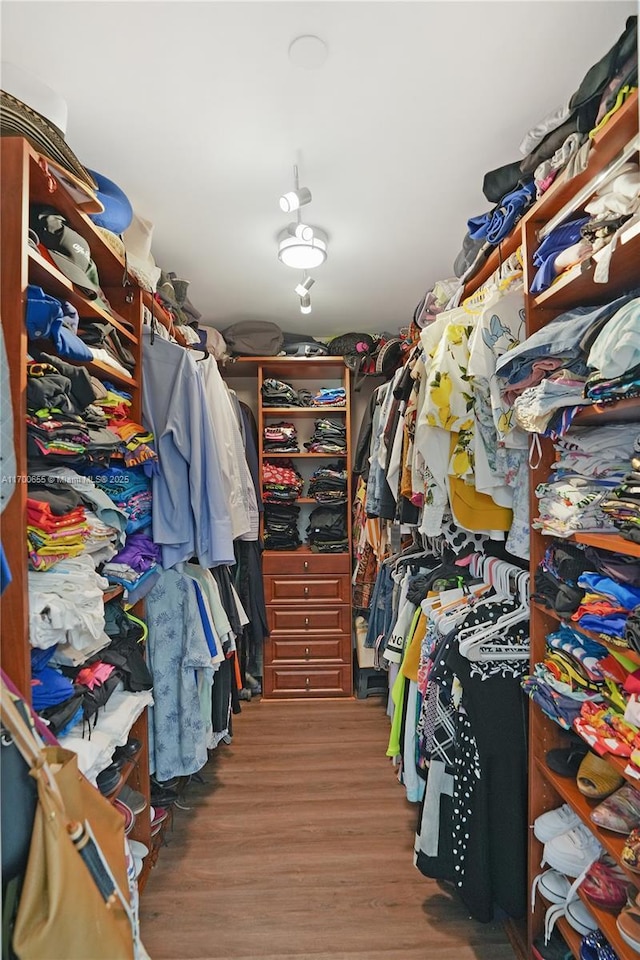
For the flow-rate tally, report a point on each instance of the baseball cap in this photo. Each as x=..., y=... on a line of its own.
x=69, y=251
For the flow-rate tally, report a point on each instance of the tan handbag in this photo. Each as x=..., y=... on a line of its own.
x=62, y=914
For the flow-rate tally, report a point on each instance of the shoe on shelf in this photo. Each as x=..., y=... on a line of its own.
x=605, y=885
x=628, y=924
x=572, y=852
x=128, y=751
x=127, y=814
x=554, y=822
x=109, y=779
x=138, y=849
x=580, y=917
x=552, y=886
x=596, y=947
x=597, y=778
x=630, y=855
x=554, y=949
x=565, y=761
x=620, y=812
x=137, y=801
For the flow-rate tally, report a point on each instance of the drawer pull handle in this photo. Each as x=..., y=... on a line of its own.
x=306, y=621
x=306, y=564
x=307, y=683
x=306, y=591
x=307, y=652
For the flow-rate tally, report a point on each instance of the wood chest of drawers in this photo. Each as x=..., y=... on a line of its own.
x=309, y=651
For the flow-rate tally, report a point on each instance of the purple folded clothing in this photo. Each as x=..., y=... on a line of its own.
x=139, y=552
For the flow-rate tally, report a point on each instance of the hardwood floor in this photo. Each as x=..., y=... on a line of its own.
x=299, y=846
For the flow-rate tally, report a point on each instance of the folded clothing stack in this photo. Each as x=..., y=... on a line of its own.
x=54, y=696
x=623, y=505
x=130, y=490
x=56, y=320
x=556, y=578
x=329, y=484
x=52, y=537
x=496, y=224
x=606, y=605
x=614, y=357
x=278, y=393
x=104, y=342
x=66, y=604
x=590, y=464
x=135, y=567
x=136, y=443
x=281, y=482
x=281, y=527
x=280, y=437
x=560, y=250
x=329, y=436
x=327, y=530
x=330, y=397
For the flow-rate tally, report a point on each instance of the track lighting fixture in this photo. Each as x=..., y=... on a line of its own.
x=302, y=254
x=302, y=289
x=305, y=304
x=301, y=230
x=295, y=199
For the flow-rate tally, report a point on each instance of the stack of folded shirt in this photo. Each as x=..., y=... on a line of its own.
x=330, y=397
x=614, y=357
x=329, y=484
x=278, y=393
x=536, y=408
x=51, y=536
x=130, y=490
x=606, y=605
x=281, y=482
x=56, y=438
x=280, y=437
x=329, y=436
x=623, y=506
x=104, y=342
x=327, y=530
x=281, y=527
x=54, y=696
x=135, y=567
x=66, y=604
x=590, y=464
x=135, y=442
x=560, y=250
x=564, y=344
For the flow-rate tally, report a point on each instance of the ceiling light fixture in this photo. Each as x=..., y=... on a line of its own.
x=302, y=254
x=305, y=304
x=302, y=289
x=301, y=230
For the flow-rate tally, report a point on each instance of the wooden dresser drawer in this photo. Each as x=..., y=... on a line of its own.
x=300, y=563
x=310, y=682
x=308, y=590
x=300, y=619
x=301, y=650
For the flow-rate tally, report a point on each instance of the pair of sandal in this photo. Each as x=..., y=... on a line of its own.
x=628, y=924
x=605, y=885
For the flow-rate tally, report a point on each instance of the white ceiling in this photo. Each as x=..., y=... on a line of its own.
x=195, y=110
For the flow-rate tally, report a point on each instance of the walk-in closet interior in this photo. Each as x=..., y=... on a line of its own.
x=320, y=480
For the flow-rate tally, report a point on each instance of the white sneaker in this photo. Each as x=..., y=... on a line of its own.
x=580, y=917
x=572, y=852
x=555, y=822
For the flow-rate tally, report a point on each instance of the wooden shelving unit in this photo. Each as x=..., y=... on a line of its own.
x=575, y=288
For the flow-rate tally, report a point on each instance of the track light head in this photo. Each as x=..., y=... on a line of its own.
x=302, y=289
x=305, y=304
x=301, y=230
x=295, y=199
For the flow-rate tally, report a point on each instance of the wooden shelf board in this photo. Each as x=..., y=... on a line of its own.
x=44, y=274
x=115, y=591
x=608, y=541
x=319, y=412
x=626, y=410
x=314, y=367
x=104, y=371
x=296, y=456
x=603, y=641
x=577, y=286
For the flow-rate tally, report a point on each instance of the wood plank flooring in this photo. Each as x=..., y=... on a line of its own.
x=299, y=847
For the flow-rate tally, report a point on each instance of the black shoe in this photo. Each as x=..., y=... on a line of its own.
x=108, y=779
x=128, y=751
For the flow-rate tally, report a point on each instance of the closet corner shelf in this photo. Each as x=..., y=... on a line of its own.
x=45, y=275
x=577, y=285
x=268, y=412
x=297, y=456
x=611, y=541
x=615, y=648
x=567, y=788
x=112, y=592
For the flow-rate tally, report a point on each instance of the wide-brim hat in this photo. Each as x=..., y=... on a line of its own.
x=20, y=118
